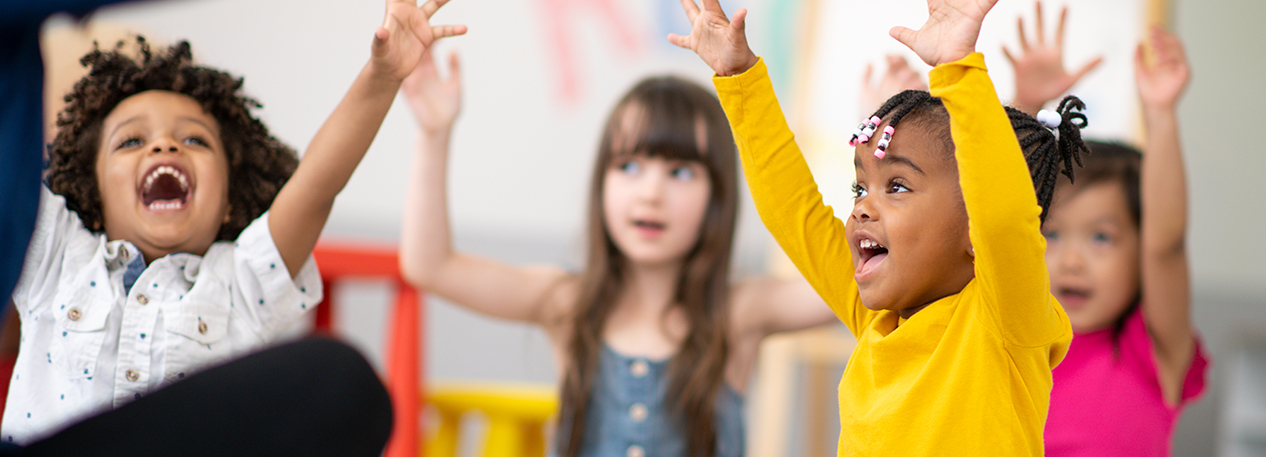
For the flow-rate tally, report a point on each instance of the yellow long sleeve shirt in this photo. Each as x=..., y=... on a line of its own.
x=970, y=374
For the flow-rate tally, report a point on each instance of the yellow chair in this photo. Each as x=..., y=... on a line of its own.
x=516, y=416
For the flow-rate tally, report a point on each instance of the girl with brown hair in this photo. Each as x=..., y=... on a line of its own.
x=655, y=341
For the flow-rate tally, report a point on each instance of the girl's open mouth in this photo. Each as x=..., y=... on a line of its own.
x=1072, y=297
x=649, y=228
x=166, y=187
x=870, y=255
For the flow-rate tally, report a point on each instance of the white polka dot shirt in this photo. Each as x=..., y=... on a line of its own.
x=90, y=345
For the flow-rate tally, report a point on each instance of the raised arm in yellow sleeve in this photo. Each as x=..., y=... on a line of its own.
x=1001, y=206
x=785, y=194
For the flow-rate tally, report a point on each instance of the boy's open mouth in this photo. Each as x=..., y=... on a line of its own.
x=871, y=254
x=166, y=187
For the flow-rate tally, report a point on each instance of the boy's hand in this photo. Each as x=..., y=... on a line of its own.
x=898, y=78
x=405, y=34
x=434, y=102
x=1040, y=75
x=719, y=41
x=950, y=32
x=1163, y=81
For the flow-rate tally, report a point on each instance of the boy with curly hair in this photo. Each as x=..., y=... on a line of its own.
x=176, y=231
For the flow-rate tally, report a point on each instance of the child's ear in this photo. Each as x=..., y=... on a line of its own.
x=228, y=213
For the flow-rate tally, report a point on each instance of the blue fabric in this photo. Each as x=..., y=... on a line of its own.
x=134, y=270
x=22, y=125
x=628, y=408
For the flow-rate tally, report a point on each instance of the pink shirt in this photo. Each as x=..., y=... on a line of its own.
x=1107, y=401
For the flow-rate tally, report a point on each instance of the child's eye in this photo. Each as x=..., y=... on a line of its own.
x=630, y=167
x=198, y=141
x=1050, y=235
x=129, y=142
x=896, y=187
x=1101, y=237
x=683, y=173
x=858, y=191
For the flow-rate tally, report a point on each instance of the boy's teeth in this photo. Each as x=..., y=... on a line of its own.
x=169, y=170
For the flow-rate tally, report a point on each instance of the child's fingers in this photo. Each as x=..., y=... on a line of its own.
x=454, y=68
x=441, y=31
x=691, y=8
x=738, y=23
x=866, y=74
x=431, y=6
x=1140, y=62
x=1041, y=25
x=1024, y=41
x=679, y=41
x=904, y=35
x=1086, y=68
x=713, y=5
x=1007, y=52
x=1059, y=33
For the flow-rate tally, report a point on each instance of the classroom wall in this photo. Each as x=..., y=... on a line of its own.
x=524, y=144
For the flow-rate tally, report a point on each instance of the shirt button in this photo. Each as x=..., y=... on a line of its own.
x=133, y=376
x=142, y=299
x=639, y=368
x=635, y=451
x=638, y=412
x=202, y=328
x=74, y=314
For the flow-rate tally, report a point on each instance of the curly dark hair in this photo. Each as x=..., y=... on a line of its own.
x=259, y=164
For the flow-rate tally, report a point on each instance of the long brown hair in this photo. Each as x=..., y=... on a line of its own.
x=671, y=111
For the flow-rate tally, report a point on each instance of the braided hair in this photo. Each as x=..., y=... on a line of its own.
x=1047, y=155
x=259, y=164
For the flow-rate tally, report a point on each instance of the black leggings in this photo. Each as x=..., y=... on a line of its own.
x=312, y=397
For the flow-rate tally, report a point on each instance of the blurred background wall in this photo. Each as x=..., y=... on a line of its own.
x=540, y=76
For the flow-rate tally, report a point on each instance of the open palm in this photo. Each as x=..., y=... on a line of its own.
x=406, y=32
x=435, y=102
x=1040, y=75
x=719, y=41
x=950, y=32
x=1163, y=81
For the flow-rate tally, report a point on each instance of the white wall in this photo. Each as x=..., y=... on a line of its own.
x=521, y=156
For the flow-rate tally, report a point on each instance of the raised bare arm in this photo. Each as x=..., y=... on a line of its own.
x=301, y=208
x=427, y=258
x=1166, y=284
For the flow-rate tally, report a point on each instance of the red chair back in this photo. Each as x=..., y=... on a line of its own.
x=338, y=261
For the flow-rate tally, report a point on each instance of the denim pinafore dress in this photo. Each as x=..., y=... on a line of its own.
x=628, y=415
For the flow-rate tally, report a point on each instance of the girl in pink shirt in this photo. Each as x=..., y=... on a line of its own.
x=1118, y=265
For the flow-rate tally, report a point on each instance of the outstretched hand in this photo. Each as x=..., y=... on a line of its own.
x=434, y=102
x=1040, y=75
x=720, y=41
x=406, y=33
x=897, y=78
x=1162, y=81
x=950, y=32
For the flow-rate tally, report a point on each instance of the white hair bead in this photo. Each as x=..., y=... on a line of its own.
x=1050, y=119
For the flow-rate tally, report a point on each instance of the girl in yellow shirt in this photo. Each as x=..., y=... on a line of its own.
x=938, y=270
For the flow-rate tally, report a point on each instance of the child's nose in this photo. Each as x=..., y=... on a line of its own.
x=862, y=211
x=651, y=187
x=166, y=145
x=1071, y=259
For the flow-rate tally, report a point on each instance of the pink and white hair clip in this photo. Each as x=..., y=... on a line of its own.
x=882, y=148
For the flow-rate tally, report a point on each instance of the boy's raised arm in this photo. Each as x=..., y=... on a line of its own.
x=303, y=205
